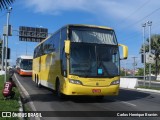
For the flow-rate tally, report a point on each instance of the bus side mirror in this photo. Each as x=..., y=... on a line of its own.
x=125, y=51
x=67, y=46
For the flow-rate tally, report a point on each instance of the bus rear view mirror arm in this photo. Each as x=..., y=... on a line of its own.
x=124, y=50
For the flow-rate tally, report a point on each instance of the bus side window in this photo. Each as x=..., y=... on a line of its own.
x=56, y=41
x=62, y=52
x=41, y=50
x=36, y=52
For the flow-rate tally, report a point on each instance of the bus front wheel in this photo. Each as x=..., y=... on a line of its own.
x=58, y=90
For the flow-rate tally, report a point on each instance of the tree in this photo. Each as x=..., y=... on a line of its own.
x=122, y=73
x=155, y=50
x=140, y=72
x=5, y=3
x=0, y=48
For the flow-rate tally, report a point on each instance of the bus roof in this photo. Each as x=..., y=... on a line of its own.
x=25, y=57
x=91, y=26
x=78, y=25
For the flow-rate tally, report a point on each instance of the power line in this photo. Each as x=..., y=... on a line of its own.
x=143, y=18
x=142, y=6
x=130, y=35
x=133, y=36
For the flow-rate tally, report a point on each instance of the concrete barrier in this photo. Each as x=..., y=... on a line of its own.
x=158, y=77
x=128, y=83
x=124, y=82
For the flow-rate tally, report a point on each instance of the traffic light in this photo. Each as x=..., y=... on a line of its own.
x=142, y=58
x=8, y=53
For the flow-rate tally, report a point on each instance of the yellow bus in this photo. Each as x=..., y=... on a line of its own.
x=79, y=60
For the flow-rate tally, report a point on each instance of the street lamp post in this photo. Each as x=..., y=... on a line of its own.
x=125, y=69
x=149, y=25
x=7, y=34
x=144, y=53
x=3, y=45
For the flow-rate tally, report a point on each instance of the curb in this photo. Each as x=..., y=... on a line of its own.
x=21, y=109
x=142, y=89
x=21, y=106
x=148, y=90
x=25, y=97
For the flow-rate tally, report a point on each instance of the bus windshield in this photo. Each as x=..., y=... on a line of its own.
x=26, y=64
x=94, y=60
x=93, y=35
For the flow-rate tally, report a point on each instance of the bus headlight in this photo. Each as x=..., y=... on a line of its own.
x=115, y=82
x=75, y=82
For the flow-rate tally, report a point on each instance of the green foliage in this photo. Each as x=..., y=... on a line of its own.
x=122, y=73
x=140, y=72
x=155, y=49
x=8, y=105
x=152, y=68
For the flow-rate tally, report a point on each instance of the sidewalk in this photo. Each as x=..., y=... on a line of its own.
x=148, y=90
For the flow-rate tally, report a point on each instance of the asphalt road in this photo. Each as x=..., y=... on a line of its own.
x=44, y=99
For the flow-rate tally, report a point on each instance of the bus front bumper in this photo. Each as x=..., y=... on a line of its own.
x=74, y=89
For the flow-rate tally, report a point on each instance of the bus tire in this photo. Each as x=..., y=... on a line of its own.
x=38, y=83
x=58, y=91
x=35, y=77
x=35, y=80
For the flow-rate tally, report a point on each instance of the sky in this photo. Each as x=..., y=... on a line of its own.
x=124, y=16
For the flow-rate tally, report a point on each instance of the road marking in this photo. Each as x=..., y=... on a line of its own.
x=27, y=95
x=129, y=103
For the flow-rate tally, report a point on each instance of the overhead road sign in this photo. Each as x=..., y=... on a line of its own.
x=32, y=34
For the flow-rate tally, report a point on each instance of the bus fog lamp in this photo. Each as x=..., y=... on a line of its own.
x=75, y=82
x=115, y=82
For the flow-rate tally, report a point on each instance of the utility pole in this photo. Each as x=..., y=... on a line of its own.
x=125, y=69
x=7, y=34
x=149, y=25
x=3, y=45
x=134, y=64
x=144, y=53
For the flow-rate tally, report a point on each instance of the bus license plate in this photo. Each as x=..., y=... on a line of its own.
x=96, y=90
